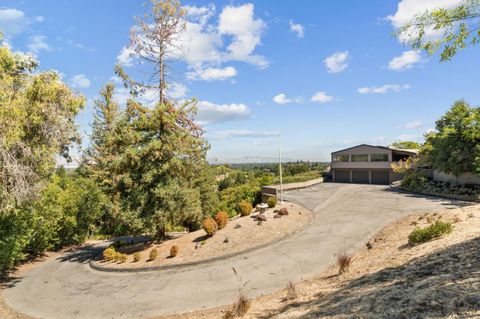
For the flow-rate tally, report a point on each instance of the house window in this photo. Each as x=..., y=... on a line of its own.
x=359, y=157
x=379, y=157
x=341, y=158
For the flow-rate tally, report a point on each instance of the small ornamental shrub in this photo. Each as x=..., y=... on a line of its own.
x=435, y=230
x=210, y=226
x=122, y=257
x=272, y=201
x=109, y=254
x=222, y=219
x=173, y=251
x=137, y=257
x=343, y=262
x=244, y=208
x=153, y=254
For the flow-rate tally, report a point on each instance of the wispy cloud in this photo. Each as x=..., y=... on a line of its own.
x=383, y=89
x=297, y=28
x=244, y=133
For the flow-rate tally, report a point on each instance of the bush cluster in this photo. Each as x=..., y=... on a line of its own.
x=435, y=230
x=244, y=208
x=272, y=201
x=109, y=253
x=210, y=226
x=222, y=219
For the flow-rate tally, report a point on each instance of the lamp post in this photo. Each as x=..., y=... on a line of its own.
x=280, y=169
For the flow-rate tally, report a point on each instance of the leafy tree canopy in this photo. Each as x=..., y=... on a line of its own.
x=459, y=27
x=403, y=145
x=37, y=112
x=455, y=146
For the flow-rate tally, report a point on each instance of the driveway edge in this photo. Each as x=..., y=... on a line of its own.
x=439, y=195
x=94, y=265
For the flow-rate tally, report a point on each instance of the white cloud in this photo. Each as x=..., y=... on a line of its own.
x=80, y=81
x=12, y=21
x=406, y=61
x=207, y=43
x=282, y=99
x=337, y=62
x=413, y=124
x=383, y=89
x=408, y=9
x=37, y=43
x=321, y=97
x=177, y=90
x=246, y=31
x=125, y=57
x=297, y=29
x=244, y=133
x=210, y=74
x=210, y=113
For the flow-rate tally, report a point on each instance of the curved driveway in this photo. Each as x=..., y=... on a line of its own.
x=345, y=217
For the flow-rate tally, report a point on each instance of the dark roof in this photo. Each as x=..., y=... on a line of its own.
x=378, y=146
x=374, y=146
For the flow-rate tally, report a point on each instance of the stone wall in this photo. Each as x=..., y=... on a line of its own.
x=462, y=179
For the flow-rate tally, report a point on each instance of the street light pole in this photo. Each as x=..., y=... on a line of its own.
x=280, y=169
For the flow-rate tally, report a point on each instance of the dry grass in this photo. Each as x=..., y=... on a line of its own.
x=344, y=261
x=438, y=279
x=291, y=291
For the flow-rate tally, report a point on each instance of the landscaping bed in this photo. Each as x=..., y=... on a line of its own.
x=239, y=235
x=418, y=183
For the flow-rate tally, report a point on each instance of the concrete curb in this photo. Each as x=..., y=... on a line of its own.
x=94, y=265
x=439, y=195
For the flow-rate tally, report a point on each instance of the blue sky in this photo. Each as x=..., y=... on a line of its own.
x=325, y=75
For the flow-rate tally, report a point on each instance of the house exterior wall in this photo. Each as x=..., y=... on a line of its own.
x=368, y=166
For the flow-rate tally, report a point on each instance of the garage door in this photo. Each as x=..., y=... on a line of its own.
x=360, y=177
x=381, y=177
x=342, y=176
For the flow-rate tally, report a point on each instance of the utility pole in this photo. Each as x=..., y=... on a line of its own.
x=280, y=169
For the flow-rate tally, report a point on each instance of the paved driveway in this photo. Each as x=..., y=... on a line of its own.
x=345, y=217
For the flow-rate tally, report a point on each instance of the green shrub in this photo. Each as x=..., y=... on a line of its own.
x=415, y=181
x=435, y=230
x=174, y=251
x=109, y=253
x=272, y=201
x=222, y=219
x=153, y=254
x=244, y=208
x=136, y=257
x=210, y=226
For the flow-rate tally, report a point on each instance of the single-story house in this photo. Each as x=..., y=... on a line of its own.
x=367, y=164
